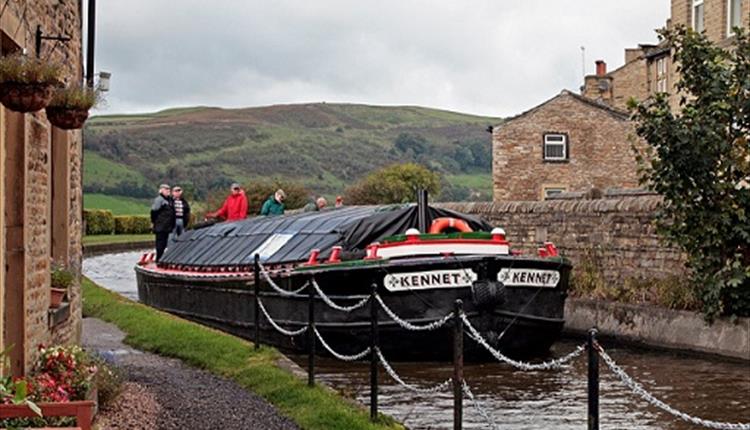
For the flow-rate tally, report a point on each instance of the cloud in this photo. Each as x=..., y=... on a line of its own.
x=486, y=57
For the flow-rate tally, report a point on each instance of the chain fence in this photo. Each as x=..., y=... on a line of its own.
x=547, y=365
x=333, y=305
x=341, y=357
x=392, y=373
x=409, y=326
x=277, y=327
x=276, y=287
x=638, y=389
x=482, y=411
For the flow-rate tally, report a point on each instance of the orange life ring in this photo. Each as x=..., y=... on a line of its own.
x=440, y=225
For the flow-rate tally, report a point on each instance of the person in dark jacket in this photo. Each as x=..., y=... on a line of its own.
x=275, y=204
x=181, y=212
x=162, y=219
x=316, y=206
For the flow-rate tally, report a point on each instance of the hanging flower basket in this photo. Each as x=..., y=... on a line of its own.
x=26, y=84
x=65, y=118
x=70, y=106
x=23, y=97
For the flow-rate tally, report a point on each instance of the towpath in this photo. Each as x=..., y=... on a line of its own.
x=164, y=393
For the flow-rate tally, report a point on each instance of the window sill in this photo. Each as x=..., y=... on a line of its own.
x=59, y=315
x=556, y=161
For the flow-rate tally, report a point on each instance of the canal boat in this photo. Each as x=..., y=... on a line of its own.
x=417, y=258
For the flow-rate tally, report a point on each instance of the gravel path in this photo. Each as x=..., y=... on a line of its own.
x=184, y=397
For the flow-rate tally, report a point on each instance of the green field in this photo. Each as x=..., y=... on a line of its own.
x=479, y=184
x=117, y=204
x=101, y=239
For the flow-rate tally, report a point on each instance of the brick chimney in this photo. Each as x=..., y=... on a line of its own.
x=599, y=86
x=601, y=68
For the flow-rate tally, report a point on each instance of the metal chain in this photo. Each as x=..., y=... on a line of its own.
x=342, y=357
x=409, y=326
x=392, y=373
x=330, y=303
x=275, y=286
x=482, y=411
x=278, y=327
x=547, y=365
x=638, y=389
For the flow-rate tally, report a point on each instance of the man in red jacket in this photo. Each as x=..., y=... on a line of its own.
x=235, y=206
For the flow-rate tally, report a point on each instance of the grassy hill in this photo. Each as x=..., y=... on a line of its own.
x=323, y=146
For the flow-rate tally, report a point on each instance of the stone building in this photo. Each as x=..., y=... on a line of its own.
x=568, y=143
x=576, y=143
x=40, y=191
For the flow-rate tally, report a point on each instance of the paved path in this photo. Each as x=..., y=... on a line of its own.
x=186, y=397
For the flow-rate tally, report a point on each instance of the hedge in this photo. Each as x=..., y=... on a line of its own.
x=132, y=224
x=99, y=221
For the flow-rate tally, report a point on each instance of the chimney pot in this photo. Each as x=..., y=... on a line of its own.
x=601, y=68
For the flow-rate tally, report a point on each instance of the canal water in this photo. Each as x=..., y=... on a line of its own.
x=709, y=388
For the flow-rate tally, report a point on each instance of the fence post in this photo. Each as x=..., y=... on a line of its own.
x=593, y=376
x=458, y=365
x=374, y=342
x=311, y=334
x=256, y=274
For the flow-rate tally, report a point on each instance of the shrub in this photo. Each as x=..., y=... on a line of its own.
x=393, y=184
x=107, y=380
x=132, y=224
x=27, y=70
x=99, y=222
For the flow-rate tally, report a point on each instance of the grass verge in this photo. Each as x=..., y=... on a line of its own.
x=101, y=239
x=151, y=330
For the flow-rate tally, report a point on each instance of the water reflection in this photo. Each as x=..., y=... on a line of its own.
x=707, y=388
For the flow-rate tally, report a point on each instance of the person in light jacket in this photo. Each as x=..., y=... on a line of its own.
x=181, y=212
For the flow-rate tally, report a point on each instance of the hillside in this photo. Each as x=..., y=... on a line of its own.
x=324, y=146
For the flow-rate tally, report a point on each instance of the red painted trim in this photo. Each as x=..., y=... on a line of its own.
x=445, y=242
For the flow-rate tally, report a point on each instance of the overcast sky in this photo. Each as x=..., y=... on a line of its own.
x=490, y=57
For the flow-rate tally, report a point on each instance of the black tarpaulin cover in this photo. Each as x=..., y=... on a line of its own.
x=290, y=238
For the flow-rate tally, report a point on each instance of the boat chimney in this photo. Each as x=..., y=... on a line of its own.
x=422, y=210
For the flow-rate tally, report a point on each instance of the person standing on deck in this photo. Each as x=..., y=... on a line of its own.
x=162, y=219
x=181, y=212
x=275, y=204
x=235, y=206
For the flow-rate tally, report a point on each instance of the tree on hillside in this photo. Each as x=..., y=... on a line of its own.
x=393, y=184
x=698, y=159
x=411, y=144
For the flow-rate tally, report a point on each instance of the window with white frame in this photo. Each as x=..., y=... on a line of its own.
x=734, y=15
x=698, y=15
x=661, y=75
x=555, y=147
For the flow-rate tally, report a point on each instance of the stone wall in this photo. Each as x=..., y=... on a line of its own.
x=620, y=231
x=26, y=312
x=599, y=150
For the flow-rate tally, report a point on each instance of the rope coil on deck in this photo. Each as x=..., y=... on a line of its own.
x=547, y=365
x=392, y=373
x=276, y=287
x=342, y=357
x=277, y=327
x=638, y=389
x=409, y=326
x=333, y=305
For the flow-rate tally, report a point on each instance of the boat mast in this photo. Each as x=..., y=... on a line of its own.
x=422, y=209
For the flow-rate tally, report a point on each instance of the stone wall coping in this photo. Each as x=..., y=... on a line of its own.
x=641, y=203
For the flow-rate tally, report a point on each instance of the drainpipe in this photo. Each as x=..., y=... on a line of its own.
x=91, y=29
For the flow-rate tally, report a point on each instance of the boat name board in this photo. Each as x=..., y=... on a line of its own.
x=529, y=277
x=432, y=279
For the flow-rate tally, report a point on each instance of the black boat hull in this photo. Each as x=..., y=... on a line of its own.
x=519, y=321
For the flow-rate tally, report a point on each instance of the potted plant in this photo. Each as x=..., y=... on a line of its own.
x=60, y=281
x=69, y=107
x=26, y=83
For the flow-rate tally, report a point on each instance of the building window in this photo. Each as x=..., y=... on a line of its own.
x=549, y=191
x=734, y=15
x=698, y=15
x=555, y=147
x=661, y=75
